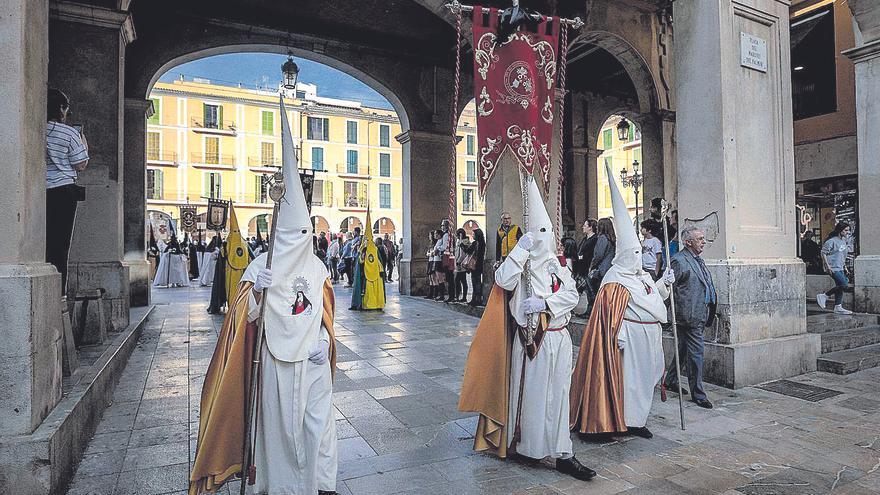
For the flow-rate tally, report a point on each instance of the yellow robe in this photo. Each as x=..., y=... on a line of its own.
x=221, y=422
x=374, y=283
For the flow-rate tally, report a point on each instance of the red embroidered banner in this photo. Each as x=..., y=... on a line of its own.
x=514, y=90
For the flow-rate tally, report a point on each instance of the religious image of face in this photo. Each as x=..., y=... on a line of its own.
x=301, y=304
x=216, y=216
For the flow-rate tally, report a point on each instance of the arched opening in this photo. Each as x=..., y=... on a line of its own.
x=261, y=222
x=620, y=145
x=349, y=224
x=320, y=224
x=384, y=226
x=469, y=227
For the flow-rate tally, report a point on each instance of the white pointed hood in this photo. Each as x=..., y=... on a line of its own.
x=540, y=225
x=628, y=253
x=294, y=301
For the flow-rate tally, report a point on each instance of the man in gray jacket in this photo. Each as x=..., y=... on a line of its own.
x=695, y=301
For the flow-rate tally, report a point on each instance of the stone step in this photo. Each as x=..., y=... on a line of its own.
x=851, y=360
x=830, y=322
x=851, y=338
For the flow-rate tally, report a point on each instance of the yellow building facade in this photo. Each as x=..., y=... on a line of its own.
x=208, y=140
x=471, y=209
x=620, y=155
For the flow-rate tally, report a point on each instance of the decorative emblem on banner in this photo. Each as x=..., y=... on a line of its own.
x=514, y=87
x=188, y=219
x=308, y=182
x=217, y=214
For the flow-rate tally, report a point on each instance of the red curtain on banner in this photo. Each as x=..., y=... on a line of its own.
x=514, y=90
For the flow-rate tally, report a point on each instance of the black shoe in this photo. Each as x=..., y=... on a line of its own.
x=704, y=403
x=640, y=432
x=575, y=469
x=325, y=492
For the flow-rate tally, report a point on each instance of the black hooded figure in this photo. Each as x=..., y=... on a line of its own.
x=218, y=288
x=193, y=260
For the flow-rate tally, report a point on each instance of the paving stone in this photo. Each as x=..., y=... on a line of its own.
x=93, y=485
x=354, y=448
x=153, y=481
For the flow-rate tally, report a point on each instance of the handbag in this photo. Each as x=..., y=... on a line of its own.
x=469, y=262
x=448, y=262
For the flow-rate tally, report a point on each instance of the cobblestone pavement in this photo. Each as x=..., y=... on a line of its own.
x=399, y=431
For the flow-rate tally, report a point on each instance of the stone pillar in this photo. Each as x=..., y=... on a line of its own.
x=579, y=185
x=91, y=72
x=670, y=167
x=593, y=182
x=866, y=57
x=427, y=160
x=135, y=200
x=652, y=159
x=30, y=350
x=735, y=161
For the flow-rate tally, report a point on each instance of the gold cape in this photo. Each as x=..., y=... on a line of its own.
x=596, y=399
x=221, y=422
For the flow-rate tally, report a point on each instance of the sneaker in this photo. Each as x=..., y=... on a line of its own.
x=821, y=300
x=840, y=310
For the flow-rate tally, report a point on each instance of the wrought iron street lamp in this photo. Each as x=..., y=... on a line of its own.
x=291, y=73
x=635, y=181
x=623, y=130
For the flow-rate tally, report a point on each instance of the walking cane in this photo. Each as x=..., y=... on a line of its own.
x=665, y=208
x=248, y=472
x=530, y=319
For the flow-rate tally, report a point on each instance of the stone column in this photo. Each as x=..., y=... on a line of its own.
x=580, y=185
x=593, y=182
x=427, y=160
x=652, y=159
x=30, y=350
x=670, y=175
x=866, y=57
x=735, y=163
x=91, y=72
x=135, y=200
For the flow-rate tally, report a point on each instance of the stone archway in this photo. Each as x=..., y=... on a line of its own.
x=320, y=224
x=384, y=226
x=350, y=223
x=263, y=221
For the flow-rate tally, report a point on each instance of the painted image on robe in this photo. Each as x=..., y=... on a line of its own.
x=301, y=304
x=555, y=283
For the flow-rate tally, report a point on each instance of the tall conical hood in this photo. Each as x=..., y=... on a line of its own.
x=540, y=224
x=628, y=254
x=293, y=214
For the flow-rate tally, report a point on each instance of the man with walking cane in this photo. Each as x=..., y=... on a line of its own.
x=266, y=409
x=621, y=353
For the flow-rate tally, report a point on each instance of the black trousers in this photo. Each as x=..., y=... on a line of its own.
x=60, y=216
x=389, y=270
x=334, y=273
x=477, y=287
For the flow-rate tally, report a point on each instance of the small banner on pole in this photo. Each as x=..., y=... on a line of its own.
x=514, y=90
x=188, y=219
x=308, y=182
x=217, y=213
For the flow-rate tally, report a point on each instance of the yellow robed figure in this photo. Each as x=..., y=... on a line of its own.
x=374, y=282
x=237, y=257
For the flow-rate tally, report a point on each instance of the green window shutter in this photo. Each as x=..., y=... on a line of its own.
x=156, y=118
x=268, y=122
x=470, y=145
x=206, y=114
x=220, y=117
x=384, y=136
x=351, y=129
x=362, y=194
x=206, y=184
x=317, y=158
x=637, y=154
x=607, y=139
x=160, y=175
x=328, y=193
x=326, y=129
x=384, y=165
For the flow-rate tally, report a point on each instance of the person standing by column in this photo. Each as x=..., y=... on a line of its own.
x=478, y=249
x=462, y=246
x=695, y=301
x=505, y=238
x=67, y=153
x=333, y=258
x=834, y=253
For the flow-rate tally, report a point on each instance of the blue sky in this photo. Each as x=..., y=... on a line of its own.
x=264, y=70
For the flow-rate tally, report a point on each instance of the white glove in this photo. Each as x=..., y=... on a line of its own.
x=527, y=241
x=533, y=304
x=264, y=279
x=321, y=353
x=668, y=277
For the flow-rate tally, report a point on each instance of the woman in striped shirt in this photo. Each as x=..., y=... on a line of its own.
x=67, y=152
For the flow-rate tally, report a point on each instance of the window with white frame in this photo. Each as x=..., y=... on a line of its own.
x=211, y=185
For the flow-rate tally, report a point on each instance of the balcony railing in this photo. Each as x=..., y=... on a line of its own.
x=217, y=125
x=467, y=177
x=257, y=161
x=360, y=169
x=353, y=202
x=154, y=155
x=212, y=159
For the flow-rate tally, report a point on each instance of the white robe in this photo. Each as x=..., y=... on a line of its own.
x=544, y=427
x=207, y=266
x=172, y=270
x=296, y=435
x=642, y=346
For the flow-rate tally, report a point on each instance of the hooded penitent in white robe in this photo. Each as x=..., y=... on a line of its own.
x=544, y=425
x=296, y=435
x=209, y=262
x=640, y=337
x=172, y=270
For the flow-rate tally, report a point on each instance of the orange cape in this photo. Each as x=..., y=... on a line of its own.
x=486, y=385
x=221, y=422
x=596, y=399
